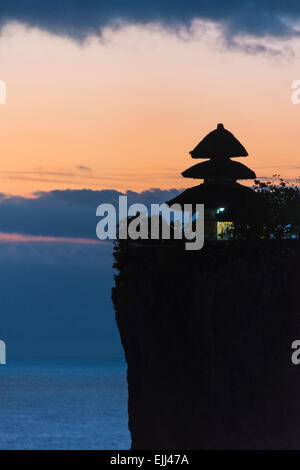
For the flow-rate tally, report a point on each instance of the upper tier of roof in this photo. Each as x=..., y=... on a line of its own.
x=219, y=143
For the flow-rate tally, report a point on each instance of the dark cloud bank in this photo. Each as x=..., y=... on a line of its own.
x=66, y=213
x=55, y=297
x=80, y=18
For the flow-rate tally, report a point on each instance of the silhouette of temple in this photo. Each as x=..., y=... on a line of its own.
x=207, y=334
x=225, y=200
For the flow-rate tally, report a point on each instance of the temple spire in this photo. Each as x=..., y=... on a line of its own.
x=219, y=146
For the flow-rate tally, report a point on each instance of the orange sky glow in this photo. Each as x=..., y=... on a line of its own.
x=123, y=112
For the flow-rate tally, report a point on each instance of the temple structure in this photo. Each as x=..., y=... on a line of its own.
x=225, y=200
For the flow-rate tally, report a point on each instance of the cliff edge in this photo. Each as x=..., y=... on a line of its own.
x=207, y=337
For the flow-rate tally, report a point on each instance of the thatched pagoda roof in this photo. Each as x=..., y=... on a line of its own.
x=241, y=201
x=219, y=168
x=219, y=143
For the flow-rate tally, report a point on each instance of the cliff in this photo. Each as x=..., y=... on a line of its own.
x=207, y=337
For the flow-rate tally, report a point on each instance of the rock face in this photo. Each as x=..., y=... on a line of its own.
x=207, y=337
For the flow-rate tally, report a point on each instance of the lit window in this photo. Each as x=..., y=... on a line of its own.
x=220, y=209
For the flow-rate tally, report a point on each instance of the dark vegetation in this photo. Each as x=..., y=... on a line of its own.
x=279, y=214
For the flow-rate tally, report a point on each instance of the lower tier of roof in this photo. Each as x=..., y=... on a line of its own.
x=239, y=202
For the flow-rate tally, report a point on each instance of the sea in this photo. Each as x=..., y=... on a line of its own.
x=64, y=406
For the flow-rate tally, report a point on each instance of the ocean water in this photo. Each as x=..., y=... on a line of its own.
x=63, y=406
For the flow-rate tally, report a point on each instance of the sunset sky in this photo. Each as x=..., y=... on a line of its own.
x=123, y=110
x=105, y=97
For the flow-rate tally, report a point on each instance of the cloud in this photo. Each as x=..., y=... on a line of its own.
x=19, y=238
x=83, y=177
x=83, y=168
x=81, y=18
x=66, y=213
